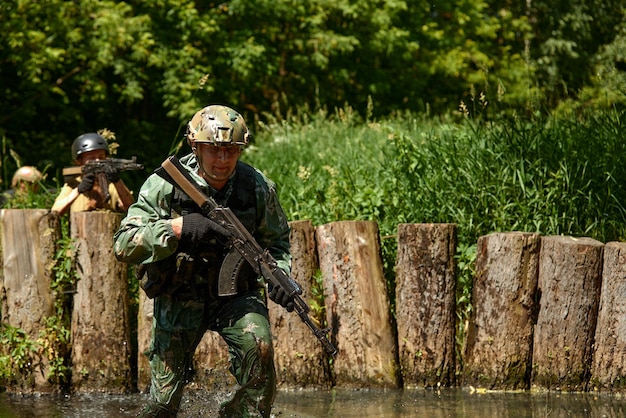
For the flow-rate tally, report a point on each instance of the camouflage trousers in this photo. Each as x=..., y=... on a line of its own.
x=242, y=321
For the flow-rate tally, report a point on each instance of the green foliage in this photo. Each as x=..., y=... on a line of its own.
x=553, y=176
x=18, y=354
x=317, y=303
x=135, y=67
x=56, y=337
x=55, y=343
x=568, y=40
x=465, y=261
x=41, y=198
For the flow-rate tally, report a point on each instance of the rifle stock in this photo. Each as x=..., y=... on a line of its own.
x=244, y=243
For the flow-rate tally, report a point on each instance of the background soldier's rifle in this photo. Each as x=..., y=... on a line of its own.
x=243, y=248
x=101, y=168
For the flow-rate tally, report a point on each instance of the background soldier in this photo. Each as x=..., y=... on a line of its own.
x=26, y=180
x=183, y=253
x=82, y=193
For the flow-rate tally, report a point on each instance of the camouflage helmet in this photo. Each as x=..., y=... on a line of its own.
x=27, y=174
x=218, y=125
x=88, y=142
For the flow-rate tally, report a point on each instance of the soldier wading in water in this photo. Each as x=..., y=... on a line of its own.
x=180, y=253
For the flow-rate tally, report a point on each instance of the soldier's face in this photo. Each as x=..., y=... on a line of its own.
x=218, y=162
x=97, y=154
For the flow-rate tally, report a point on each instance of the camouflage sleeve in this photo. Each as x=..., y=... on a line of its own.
x=273, y=229
x=145, y=234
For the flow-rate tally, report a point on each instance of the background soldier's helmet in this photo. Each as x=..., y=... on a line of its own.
x=88, y=142
x=26, y=173
x=218, y=125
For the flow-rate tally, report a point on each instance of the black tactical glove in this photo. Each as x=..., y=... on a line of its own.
x=86, y=183
x=198, y=229
x=278, y=295
x=112, y=175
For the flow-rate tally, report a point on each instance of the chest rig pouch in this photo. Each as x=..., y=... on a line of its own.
x=187, y=274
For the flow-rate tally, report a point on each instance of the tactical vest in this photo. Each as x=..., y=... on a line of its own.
x=183, y=273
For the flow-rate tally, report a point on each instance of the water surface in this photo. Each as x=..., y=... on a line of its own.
x=337, y=403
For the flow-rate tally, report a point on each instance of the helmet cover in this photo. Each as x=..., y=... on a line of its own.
x=218, y=125
x=26, y=173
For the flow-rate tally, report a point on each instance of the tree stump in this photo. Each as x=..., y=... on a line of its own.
x=357, y=305
x=500, y=336
x=300, y=358
x=29, y=239
x=211, y=363
x=608, y=370
x=570, y=275
x=101, y=346
x=144, y=337
x=425, y=303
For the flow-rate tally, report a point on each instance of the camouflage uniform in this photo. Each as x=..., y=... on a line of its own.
x=188, y=306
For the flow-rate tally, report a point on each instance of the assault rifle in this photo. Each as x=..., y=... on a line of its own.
x=243, y=247
x=100, y=168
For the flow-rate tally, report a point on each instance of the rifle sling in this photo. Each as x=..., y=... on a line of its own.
x=231, y=267
x=181, y=179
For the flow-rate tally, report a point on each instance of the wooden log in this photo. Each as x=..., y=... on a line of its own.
x=500, y=336
x=101, y=346
x=425, y=304
x=300, y=358
x=357, y=305
x=144, y=336
x=211, y=364
x=29, y=239
x=570, y=275
x=608, y=370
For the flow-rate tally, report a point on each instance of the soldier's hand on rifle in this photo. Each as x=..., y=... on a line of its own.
x=278, y=295
x=86, y=183
x=198, y=229
x=112, y=174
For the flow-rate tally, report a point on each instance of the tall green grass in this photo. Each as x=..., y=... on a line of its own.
x=553, y=176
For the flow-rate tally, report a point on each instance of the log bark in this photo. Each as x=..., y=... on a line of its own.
x=425, y=304
x=29, y=237
x=211, y=364
x=101, y=346
x=570, y=275
x=300, y=358
x=608, y=370
x=357, y=305
x=500, y=336
x=144, y=336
